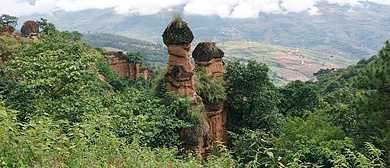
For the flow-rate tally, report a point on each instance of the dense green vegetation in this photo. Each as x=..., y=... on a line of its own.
x=55, y=111
x=210, y=89
x=8, y=20
x=64, y=115
x=342, y=120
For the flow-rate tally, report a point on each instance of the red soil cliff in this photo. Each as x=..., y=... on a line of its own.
x=126, y=68
x=178, y=37
x=209, y=57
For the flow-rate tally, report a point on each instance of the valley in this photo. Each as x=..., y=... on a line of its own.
x=286, y=63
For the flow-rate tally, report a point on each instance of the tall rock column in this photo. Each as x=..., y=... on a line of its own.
x=209, y=57
x=30, y=29
x=178, y=37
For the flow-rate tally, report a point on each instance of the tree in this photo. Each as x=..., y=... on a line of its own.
x=74, y=35
x=46, y=27
x=374, y=105
x=297, y=96
x=8, y=20
x=53, y=76
x=251, y=97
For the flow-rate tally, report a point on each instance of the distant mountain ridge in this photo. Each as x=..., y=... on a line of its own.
x=153, y=53
x=357, y=31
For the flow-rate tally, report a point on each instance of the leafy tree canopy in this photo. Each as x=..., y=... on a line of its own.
x=8, y=20
x=251, y=97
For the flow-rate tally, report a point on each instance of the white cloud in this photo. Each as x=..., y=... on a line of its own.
x=298, y=6
x=314, y=11
x=222, y=8
x=252, y=8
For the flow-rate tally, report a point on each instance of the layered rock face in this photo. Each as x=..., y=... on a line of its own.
x=7, y=31
x=30, y=29
x=126, y=68
x=209, y=57
x=178, y=37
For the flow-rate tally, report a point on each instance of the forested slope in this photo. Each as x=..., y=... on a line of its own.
x=153, y=53
x=55, y=111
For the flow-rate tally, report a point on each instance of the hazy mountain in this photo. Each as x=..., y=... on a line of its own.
x=286, y=63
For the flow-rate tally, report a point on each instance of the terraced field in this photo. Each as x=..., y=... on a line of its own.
x=286, y=63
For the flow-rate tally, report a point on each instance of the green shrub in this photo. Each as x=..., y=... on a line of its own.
x=53, y=76
x=140, y=114
x=105, y=69
x=370, y=158
x=42, y=142
x=211, y=89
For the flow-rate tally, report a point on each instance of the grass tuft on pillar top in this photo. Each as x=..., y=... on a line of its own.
x=177, y=17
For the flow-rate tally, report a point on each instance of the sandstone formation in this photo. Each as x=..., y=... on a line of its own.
x=7, y=31
x=30, y=29
x=178, y=37
x=126, y=68
x=209, y=58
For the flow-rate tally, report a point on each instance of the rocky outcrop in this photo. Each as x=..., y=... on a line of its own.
x=217, y=120
x=125, y=68
x=30, y=29
x=209, y=58
x=7, y=31
x=178, y=37
x=177, y=33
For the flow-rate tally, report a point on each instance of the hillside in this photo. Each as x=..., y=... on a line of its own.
x=286, y=63
x=153, y=53
x=352, y=31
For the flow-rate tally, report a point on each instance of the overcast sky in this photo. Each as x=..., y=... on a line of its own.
x=222, y=8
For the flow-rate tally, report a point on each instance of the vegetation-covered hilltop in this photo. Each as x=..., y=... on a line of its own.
x=153, y=53
x=55, y=111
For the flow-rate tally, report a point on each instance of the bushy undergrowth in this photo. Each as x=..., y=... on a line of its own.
x=212, y=90
x=43, y=142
